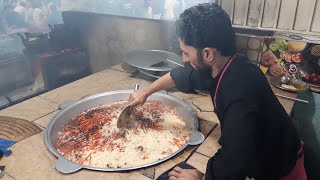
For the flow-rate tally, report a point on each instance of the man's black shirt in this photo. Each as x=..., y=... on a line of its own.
x=258, y=138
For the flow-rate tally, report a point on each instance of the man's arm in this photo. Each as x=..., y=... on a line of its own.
x=238, y=153
x=163, y=83
x=184, y=78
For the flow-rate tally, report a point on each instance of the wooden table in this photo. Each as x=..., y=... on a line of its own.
x=31, y=160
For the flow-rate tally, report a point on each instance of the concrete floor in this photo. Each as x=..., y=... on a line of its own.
x=307, y=120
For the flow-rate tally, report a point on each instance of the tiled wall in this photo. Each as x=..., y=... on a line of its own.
x=250, y=46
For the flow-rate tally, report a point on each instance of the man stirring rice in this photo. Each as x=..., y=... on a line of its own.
x=258, y=138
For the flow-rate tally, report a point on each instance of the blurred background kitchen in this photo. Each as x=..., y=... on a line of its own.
x=45, y=44
x=34, y=15
x=35, y=41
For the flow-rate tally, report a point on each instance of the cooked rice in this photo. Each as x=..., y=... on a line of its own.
x=157, y=131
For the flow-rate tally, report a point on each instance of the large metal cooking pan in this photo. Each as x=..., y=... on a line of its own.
x=72, y=108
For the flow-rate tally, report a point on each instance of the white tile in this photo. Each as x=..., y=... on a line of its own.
x=43, y=121
x=164, y=167
x=210, y=146
x=199, y=161
x=30, y=109
x=208, y=116
x=204, y=103
x=88, y=85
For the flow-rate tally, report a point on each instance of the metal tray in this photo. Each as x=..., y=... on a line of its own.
x=72, y=108
x=153, y=74
x=276, y=81
x=153, y=60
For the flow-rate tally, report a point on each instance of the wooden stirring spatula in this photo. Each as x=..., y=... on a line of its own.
x=124, y=118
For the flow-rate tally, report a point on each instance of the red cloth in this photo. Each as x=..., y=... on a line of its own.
x=298, y=172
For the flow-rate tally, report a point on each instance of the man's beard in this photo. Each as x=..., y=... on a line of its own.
x=203, y=69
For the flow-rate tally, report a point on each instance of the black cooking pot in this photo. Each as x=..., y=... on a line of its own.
x=64, y=36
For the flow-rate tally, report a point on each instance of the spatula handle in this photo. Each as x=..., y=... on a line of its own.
x=136, y=87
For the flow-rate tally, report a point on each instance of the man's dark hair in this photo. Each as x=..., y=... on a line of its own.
x=207, y=25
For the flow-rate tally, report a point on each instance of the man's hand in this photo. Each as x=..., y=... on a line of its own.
x=185, y=174
x=138, y=97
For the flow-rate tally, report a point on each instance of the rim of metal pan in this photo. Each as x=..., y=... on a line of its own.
x=153, y=60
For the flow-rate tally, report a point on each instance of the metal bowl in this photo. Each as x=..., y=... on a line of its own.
x=72, y=108
x=153, y=74
x=277, y=82
x=153, y=60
